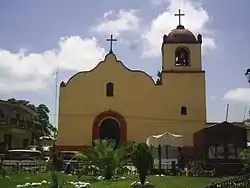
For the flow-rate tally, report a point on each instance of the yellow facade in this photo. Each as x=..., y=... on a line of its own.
x=147, y=108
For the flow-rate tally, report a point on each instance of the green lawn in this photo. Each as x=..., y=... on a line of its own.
x=160, y=182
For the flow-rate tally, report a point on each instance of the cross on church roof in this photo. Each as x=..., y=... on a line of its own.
x=179, y=15
x=111, y=40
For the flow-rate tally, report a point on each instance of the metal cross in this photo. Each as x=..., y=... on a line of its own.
x=111, y=40
x=179, y=15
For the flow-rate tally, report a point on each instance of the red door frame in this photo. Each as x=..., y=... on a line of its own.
x=110, y=114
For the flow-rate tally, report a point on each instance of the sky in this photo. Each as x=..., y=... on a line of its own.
x=37, y=38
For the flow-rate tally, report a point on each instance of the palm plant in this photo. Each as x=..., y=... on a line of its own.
x=106, y=157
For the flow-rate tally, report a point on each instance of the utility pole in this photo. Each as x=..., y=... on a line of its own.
x=227, y=112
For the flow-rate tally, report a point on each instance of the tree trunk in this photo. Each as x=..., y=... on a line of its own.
x=142, y=176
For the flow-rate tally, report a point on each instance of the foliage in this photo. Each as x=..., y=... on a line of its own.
x=54, y=180
x=142, y=160
x=232, y=182
x=56, y=162
x=245, y=157
x=247, y=120
x=159, y=74
x=23, y=102
x=247, y=74
x=43, y=126
x=195, y=169
x=159, y=80
x=160, y=182
x=2, y=170
x=105, y=156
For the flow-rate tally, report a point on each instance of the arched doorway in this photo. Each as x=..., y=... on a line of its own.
x=110, y=114
x=110, y=129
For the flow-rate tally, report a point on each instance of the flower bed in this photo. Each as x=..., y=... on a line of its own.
x=234, y=182
x=78, y=184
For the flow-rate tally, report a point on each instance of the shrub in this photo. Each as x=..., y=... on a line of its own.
x=245, y=157
x=142, y=160
x=54, y=179
x=57, y=161
x=2, y=170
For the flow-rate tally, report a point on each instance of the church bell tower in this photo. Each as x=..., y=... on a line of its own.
x=183, y=80
x=181, y=50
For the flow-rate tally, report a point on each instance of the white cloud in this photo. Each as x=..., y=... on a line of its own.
x=158, y=2
x=107, y=14
x=117, y=22
x=151, y=32
x=240, y=95
x=24, y=71
x=195, y=19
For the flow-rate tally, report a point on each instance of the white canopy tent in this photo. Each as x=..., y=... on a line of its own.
x=165, y=139
x=169, y=148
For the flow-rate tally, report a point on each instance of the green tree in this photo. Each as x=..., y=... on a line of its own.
x=43, y=120
x=159, y=80
x=142, y=160
x=106, y=157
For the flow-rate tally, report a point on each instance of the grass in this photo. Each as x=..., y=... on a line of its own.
x=159, y=182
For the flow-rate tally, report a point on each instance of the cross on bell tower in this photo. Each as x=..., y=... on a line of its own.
x=179, y=15
x=111, y=40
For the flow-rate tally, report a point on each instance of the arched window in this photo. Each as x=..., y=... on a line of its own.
x=109, y=89
x=182, y=57
x=183, y=110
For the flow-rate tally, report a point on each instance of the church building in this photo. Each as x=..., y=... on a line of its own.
x=112, y=101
